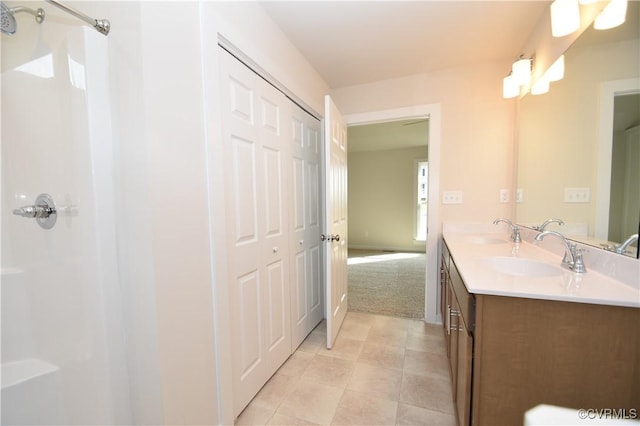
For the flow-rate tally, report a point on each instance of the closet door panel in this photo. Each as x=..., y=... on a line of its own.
x=249, y=304
x=256, y=173
x=272, y=185
x=305, y=223
x=244, y=186
x=299, y=290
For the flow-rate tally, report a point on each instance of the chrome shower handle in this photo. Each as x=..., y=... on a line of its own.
x=34, y=211
x=43, y=211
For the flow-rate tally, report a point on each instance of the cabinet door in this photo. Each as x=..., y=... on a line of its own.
x=452, y=337
x=463, y=379
x=443, y=295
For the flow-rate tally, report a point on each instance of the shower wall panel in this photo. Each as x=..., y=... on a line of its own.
x=63, y=351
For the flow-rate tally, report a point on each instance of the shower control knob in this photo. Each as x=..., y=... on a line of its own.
x=34, y=211
x=43, y=211
x=27, y=211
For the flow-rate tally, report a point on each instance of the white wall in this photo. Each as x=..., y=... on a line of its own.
x=382, y=199
x=477, y=131
x=162, y=211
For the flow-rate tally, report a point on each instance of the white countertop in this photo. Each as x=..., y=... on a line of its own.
x=591, y=287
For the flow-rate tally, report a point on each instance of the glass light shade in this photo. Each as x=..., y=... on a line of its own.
x=613, y=15
x=521, y=71
x=539, y=87
x=556, y=70
x=510, y=87
x=565, y=17
x=588, y=1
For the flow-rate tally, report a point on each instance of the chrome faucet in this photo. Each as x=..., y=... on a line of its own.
x=621, y=248
x=572, y=256
x=547, y=222
x=515, y=231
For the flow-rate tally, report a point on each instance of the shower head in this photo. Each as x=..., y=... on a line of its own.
x=8, y=21
x=9, y=25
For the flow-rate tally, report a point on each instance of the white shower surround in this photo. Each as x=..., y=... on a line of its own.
x=63, y=347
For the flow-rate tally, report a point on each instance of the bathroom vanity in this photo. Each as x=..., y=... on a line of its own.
x=523, y=331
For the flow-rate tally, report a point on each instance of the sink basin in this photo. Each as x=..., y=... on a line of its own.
x=522, y=267
x=484, y=240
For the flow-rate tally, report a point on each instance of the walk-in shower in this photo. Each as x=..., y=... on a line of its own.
x=9, y=25
x=63, y=346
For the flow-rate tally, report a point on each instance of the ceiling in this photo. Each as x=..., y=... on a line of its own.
x=358, y=42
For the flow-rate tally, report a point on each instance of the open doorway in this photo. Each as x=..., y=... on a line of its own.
x=388, y=205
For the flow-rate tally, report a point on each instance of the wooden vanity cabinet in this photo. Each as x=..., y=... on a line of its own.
x=533, y=351
x=510, y=354
x=458, y=309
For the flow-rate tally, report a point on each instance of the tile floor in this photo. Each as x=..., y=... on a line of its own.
x=381, y=371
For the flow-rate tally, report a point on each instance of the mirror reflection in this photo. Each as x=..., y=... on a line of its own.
x=579, y=144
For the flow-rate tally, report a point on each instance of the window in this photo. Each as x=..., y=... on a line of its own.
x=421, y=199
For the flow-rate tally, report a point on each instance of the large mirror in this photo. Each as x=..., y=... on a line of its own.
x=579, y=144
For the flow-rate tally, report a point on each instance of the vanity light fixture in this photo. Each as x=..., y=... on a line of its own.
x=556, y=70
x=612, y=15
x=541, y=86
x=565, y=17
x=510, y=87
x=520, y=75
x=521, y=71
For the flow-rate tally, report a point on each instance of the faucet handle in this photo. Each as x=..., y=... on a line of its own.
x=578, y=265
x=516, y=235
x=569, y=254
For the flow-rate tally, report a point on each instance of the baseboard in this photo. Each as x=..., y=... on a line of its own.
x=413, y=249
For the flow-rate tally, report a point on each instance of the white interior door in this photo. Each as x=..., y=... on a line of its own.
x=257, y=169
x=307, y=297
x=336, y=219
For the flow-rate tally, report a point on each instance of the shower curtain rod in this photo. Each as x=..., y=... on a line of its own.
x=101, y=25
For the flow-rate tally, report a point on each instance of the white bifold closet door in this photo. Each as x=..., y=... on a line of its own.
x=272, y=157
x=307, y=292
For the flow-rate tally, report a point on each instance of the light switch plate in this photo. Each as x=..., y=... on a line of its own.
x=577, y=195
x=504, y=195
x=519, y=195
x=451, y=197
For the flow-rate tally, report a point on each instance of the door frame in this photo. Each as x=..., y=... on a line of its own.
x=608, y=91
x=432, y=111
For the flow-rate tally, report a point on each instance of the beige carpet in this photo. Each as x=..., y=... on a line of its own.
x=387, y=283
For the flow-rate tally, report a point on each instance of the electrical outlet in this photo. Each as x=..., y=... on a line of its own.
x=451, y=197
x=504, y=195
x=519, y=195
x=577, y=195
